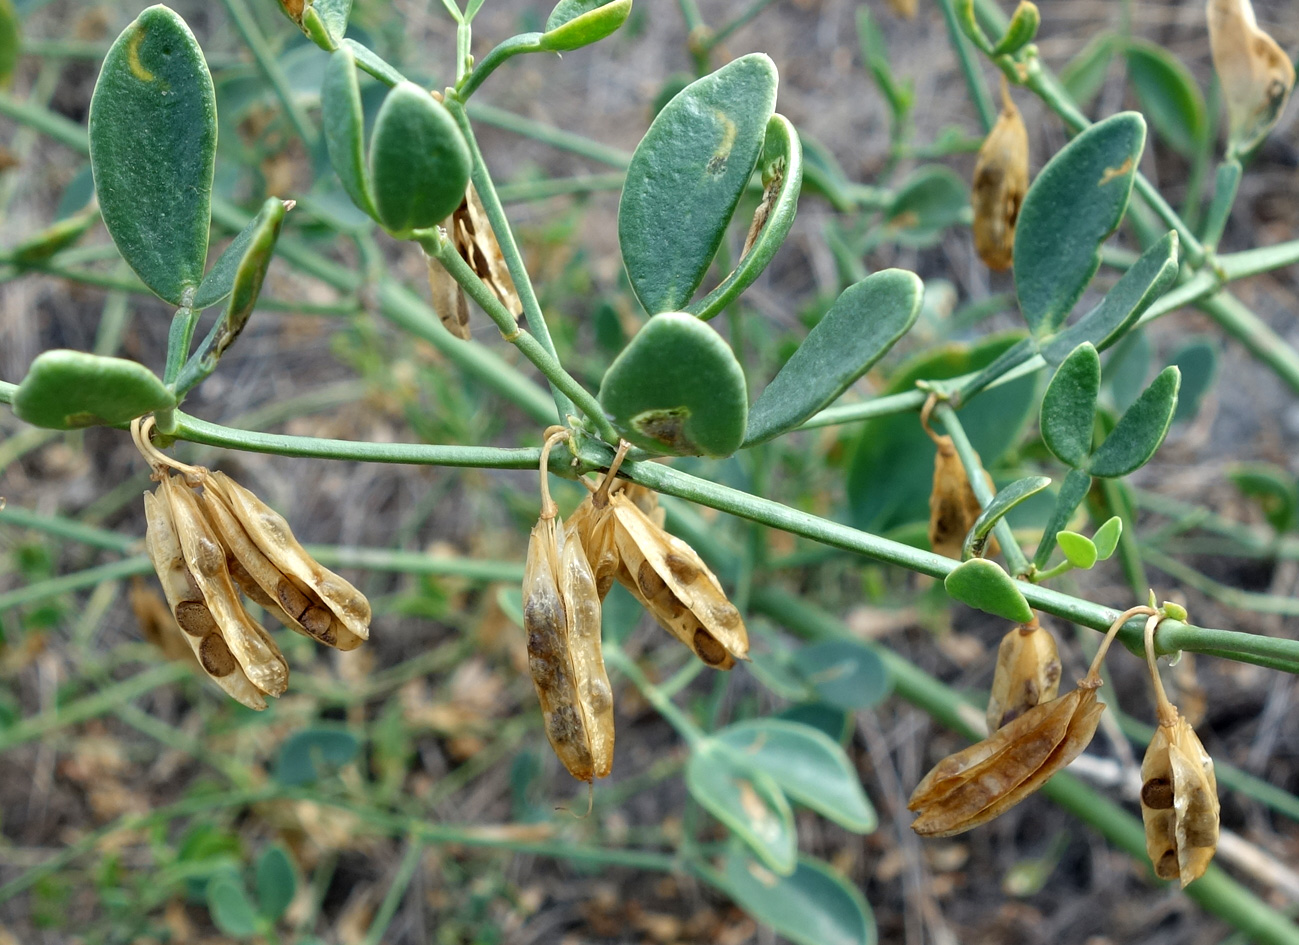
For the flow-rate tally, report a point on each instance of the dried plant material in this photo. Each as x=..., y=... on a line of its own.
x=1027, y=674
x=448, y=300
x=1179, y=791
x=561, y=615
x=953, y=506
x=157, y=624
x=1000, y=182
x=471, y=234
x=770, y=192
x=985, y=780
x=903, y=8
x=1255, y=73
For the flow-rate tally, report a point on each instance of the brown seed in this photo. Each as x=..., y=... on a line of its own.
x=1255, y=73
x=1157, y=794
x=216, y=656
x=709, y=650
x=195, y=619
x=1000, y=182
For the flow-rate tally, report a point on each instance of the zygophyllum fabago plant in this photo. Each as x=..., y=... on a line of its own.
x=717, y=168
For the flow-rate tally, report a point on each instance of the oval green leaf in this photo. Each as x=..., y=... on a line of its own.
x=844, y=673
x=220, y=279
x=985, y=586
x=65, y=390
x=1140, y=430
x=276, y=883
x=1074, y=204
x=814, y=905
x=1001, y=503
x=687, y=176
x=419, y=161
x=1107, y=537
x=344, y=127
x=1072, y=491
x=859, y=329
x=577, y=23
x=231, y=910
x=677, y=388
x=1149, y=278
x=153, y=149
x=1079, y=550
x=746, y=801
x=1069, y=406
x=930, y=200
x=807, y=765
x=325, y=21
x=782, y=179
x=1169, y=97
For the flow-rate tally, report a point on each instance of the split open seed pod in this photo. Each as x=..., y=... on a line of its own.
x=1000, y=183
x=1255, y=73
x=953, y=507
x=1027, y=674
x=471, y=233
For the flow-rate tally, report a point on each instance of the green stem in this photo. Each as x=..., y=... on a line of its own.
x=969, y=67
x=740, y=19
x=396, y=891
x=526, y=191
x=548, y=134
x=90, y=577
x=615, y=656
x=1258, y=338
x=1015, y=560
x=522, y=43
x=270, y=67
x=1251, y=262
x=1222, y=593
x=61, y=527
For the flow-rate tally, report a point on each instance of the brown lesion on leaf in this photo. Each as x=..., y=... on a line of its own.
x=668, y=427
x=1112, y=173
x=717, y=163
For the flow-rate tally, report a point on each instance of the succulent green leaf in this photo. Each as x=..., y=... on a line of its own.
x=577, y=23
x=844, y=673
x=1085, y=73
x=1107, y=537
x=930, y=200
x=220, y=279
x=1079, y=550
x=1169, y=97
x=65, y=390
x=1074, y=204
x=330, y=19
x=969, y=24
x=814, y=905
x=1072, y=491
x=806, y=764
x=1198, y=362
x=985, y=586
x=1069, y=406
x=782, y=177
x=10, y=40
x=859, y=329
x=677, y=388
x=344, y=127
x=232, y=911
x=153, y=149
x=419, y=161
x=276, y=883
x=1272, y=487
x=1149, y=278
x=306, y=755
x=373, y=63
x=747, y=801
x=1021, y=31
x=687, y=176
x=1140, y=430
x=996, y=510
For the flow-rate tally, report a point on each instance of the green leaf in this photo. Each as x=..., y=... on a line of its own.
x=1149, y=278
x=332, y=17
x=1272, y=487
x=65, y=390
x=10, y=41
x=985, y=586
x=1072, y=491
x=1001, y=503
x=232, y=912
x=220, y=280
x=687, y=176
x=806, y=764
x=1198, y=362
x=1069, y=406
x=419, y=162
x=1021, y=31
x=1107, y=537
x=344, y=127
x=844, y=673
x=859, y=329
x=834, y=722
x=1169, y=97
x=1078, y=549
x=1140, y=430
x=1085, y=73
x=1074, y=204
x=814, y=905
x=153, y=148
x=930, y=200
x=304, y=753
x=576, y=23
x=782, y=175
x=677, y=388
x=276, y=883
x=746, y=801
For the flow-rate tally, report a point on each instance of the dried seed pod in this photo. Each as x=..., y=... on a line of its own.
x=180, y=589
x=953, y=506
x=252, y=647
x=594, y=528
x=157, y=623
x=1255, y=73
x=273, y=537
x=582, y=606
x=770, y=191
x=471, y=233
x=289, y=601
x=1000, y=182
x=449, y=300
x=1027, y=674
x=1179, y=790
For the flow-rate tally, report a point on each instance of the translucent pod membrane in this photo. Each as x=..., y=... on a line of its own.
x=953, y=506
x=1027, y=674
x=1179, y=803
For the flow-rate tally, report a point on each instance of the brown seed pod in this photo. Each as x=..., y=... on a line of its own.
x=471, y=233
x=582, y=606
x=1179, y=791
x=985, y=780
x=1255, y=73
x=953, y=506
x=185, y=599
x=1000, y=182
x=1027, y=674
